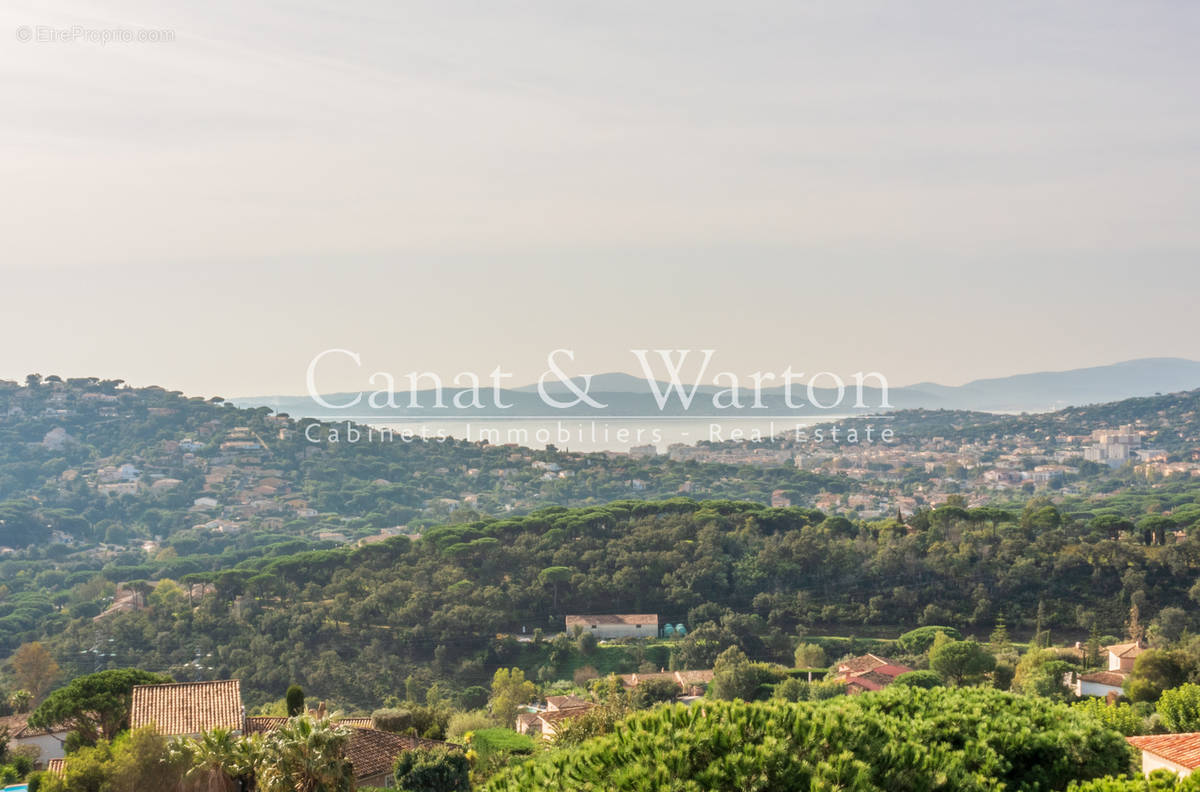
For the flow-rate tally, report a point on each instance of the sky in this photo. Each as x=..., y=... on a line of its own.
x=933, y=190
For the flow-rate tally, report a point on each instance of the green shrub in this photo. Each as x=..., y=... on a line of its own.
x=396, y=720
x=1179, y=708
x=433, y=770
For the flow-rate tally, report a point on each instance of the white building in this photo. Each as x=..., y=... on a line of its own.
x=640, y=625
x=1175, y=753
x=1100, y=684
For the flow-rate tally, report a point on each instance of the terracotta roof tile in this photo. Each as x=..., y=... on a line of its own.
x=555, y=716
x=372, y=751
x=891, y=670
x=262, y=724
x=267, y=723
x=865, y=682
x=188, y=707
x=1132, y=649
x=56, y=766
x=1182, y=749
x=865, y=662
x=1111, y=678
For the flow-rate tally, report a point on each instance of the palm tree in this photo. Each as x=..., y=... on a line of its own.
x=305, y=755
x=20, y=700
x=218, y=761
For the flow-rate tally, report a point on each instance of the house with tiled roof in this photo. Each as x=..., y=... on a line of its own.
x=555, y=703
x=189, y=708
x=546, y=723
x=373, y=753
x=1175, y=753
x=691, y=683
x=617, y=625
x=867, y=673
x=867, y=662
x=1109, y=683
x=1122, y=656
x=48, y=742
x=1102, y=684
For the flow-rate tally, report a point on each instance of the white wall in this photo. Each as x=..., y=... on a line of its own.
x=50, y=745
x=1097, y=689
x=1151, y=762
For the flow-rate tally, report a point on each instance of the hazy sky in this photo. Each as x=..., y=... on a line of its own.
x=937, y=190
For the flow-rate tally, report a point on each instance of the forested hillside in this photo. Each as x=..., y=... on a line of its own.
x=242, y=549
x=350, y=623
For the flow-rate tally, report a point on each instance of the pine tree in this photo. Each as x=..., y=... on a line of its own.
x=1135, y=629
x=1092, y=658
x=999, y=639
x=1041, y=636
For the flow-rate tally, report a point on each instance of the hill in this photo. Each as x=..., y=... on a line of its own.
x=628, y=395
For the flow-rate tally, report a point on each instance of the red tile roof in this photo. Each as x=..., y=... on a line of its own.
x=56, y=766
x=867, y=662
x=1182, y=749
x=891, y=670
x=188, y=707
x=874, y=671
x=1111, y=678
x=865, y=682
x=564, y=702
x=263, y=724
x=372, y=751
x=1132, y=649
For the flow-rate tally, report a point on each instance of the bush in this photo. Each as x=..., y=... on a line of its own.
x=463, y=722
x=1154, y=671
x=295, y=701
x=1119, y=717
x=653, y=691
x=792, y=689
x=1179, y=708
x=433, y=770
x=394, y=720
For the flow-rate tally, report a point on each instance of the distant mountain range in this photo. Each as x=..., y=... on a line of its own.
x=630, y=396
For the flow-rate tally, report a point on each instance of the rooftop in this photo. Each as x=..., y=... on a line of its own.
x=188, y=707
x=614, y=618
x=1131, y=649
x=1182, y=749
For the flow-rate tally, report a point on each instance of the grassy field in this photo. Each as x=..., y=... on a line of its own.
x=501, y=740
